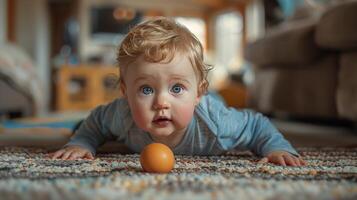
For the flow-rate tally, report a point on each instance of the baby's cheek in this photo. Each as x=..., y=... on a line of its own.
x=184, y=114
x=140, y=117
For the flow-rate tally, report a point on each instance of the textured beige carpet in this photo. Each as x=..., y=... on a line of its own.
x=26, y=173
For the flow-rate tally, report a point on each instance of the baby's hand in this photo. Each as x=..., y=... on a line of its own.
x=72, y=153
x=283, y=158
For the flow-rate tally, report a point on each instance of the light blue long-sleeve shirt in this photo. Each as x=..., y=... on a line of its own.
x=214, y=129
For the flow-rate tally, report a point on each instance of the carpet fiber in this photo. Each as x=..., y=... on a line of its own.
x=27, y=173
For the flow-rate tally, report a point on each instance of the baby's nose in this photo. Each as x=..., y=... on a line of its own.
x=161, y=102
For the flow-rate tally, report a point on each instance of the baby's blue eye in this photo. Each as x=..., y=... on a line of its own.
x=176, y=89
x=147, y=90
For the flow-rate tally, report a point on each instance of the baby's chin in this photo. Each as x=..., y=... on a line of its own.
x=165, y=132
x=161, y=133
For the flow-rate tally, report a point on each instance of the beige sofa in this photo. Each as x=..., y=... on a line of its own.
x=21, y=91
x=308, y=67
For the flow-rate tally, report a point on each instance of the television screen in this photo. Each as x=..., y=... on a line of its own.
x=112, y=23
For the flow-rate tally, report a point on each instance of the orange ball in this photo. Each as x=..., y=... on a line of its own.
x=157, y=158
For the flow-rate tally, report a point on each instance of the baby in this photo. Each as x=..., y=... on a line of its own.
x=164, y=84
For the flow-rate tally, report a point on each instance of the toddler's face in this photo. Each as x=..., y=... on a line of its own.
x=162, y=96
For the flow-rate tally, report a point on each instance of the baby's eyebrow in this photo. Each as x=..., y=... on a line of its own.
x=181, y=78
x=144, y=77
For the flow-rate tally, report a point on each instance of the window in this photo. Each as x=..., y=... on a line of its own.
x=228, y=41
x=196, y=25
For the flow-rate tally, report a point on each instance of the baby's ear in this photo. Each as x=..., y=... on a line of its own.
x=197, y=100
x=122, y=88
x=200, y=92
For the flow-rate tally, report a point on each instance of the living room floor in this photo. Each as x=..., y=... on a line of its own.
x=315, y=135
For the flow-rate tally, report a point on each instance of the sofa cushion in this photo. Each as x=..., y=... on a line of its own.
x=13, y=100
x=347, y=86
x=306, y=91
x=288, y=44
x=17, y=69
x=337, y=28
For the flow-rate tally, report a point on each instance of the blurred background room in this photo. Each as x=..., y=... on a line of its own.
x=293, y=60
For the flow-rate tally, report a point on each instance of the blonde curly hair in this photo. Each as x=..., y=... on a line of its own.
x=158, y=40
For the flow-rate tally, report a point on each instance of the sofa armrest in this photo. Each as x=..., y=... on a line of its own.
x=337, y=28
x=290, y=44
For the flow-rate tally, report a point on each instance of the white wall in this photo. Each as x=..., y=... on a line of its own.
x=3, y=19
x=32, y=33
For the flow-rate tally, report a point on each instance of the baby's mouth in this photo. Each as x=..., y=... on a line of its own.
x=161, y=121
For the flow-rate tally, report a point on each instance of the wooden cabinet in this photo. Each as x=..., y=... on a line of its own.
x=85, y=87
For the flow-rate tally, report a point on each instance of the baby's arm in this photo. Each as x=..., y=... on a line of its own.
x=94, y=131
x=246, y=130
x=256, y=133
x=72, y=153
x=267, y=141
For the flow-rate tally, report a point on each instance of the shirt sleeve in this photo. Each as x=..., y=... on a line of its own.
x=243, y=130
x=104, y=123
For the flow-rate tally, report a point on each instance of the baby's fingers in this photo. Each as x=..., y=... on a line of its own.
x=67, y=154
x=263, y=160
x=89, y=155
x=303, y=162
x=75, y=154
x=80, y=154
x=57, y=154
x=299, y=161
x=289, y=160
x=279, y=160
x=276, y=160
